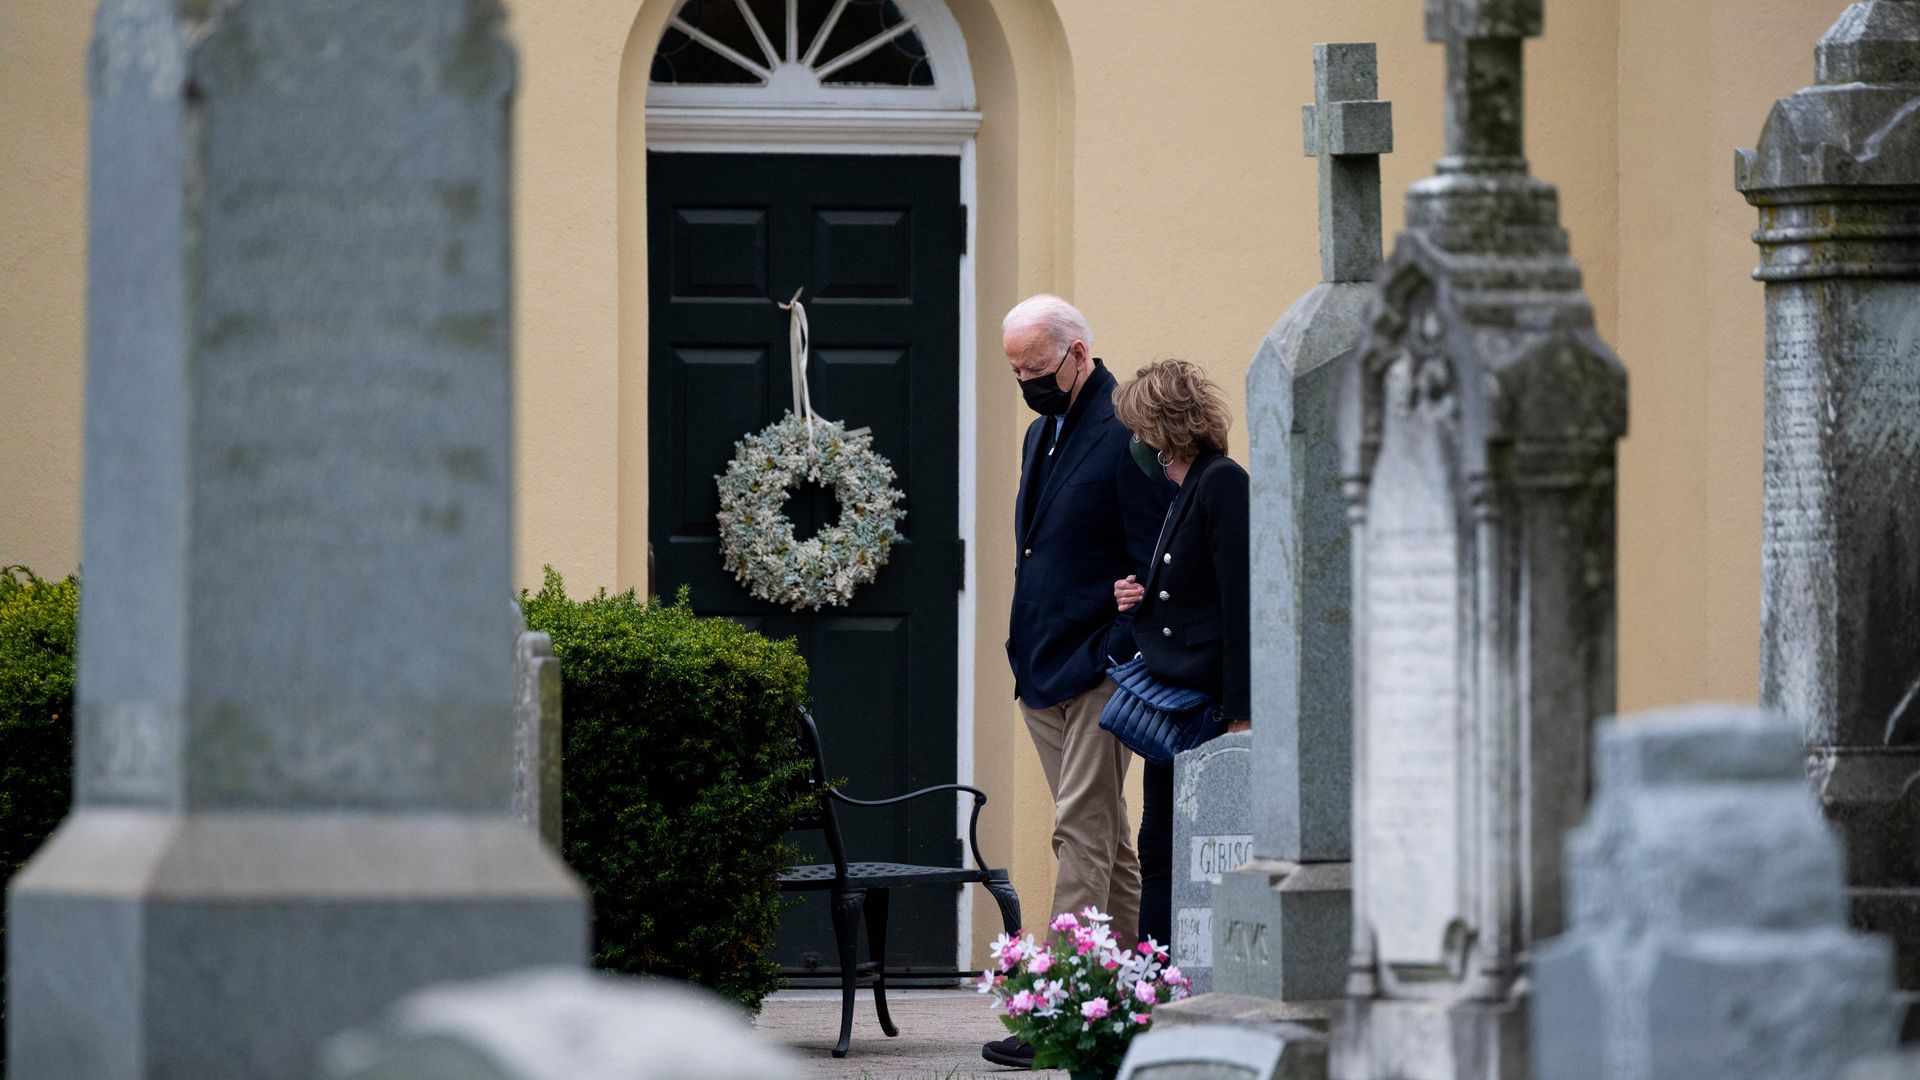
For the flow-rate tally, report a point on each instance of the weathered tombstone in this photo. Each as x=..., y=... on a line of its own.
x=1280, y=922
x=1211, y=794
x=1709, y=936
x=1479, y=427
x=536, y=738
x=1836, y=177
x=558, y=1024
x=294, y=760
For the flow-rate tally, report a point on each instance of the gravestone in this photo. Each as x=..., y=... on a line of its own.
x=1222, y=1052
x=1836, y=178
x=559, y=1024
x=536, y=737
x=1709, y=937
x=1211, y=792
x=1479, y=426
x=294, y=730
x=1281, y=921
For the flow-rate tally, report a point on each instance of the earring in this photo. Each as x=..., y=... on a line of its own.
x=1163, y=459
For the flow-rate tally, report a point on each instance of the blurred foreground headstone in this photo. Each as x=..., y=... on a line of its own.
x=559, y=1024
x=1709, y=937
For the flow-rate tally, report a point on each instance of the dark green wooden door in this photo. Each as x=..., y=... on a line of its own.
x=875, y=243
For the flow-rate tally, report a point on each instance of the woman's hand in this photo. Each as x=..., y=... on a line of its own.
x=1239, y=725
x=1127, y=593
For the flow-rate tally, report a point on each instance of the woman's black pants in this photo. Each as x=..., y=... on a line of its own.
x=1156, y=854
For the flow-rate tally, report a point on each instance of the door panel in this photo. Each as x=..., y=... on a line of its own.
x=874, y=242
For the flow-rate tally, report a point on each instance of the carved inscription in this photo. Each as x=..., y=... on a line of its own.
x=1211, y=856
x=1842, y=505
x=1412, y=596
x=1193, y=938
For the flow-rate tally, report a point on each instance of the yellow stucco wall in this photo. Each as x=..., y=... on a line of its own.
x=1142, y=157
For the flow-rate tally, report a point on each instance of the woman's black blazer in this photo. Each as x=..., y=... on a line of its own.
x=1192, y=625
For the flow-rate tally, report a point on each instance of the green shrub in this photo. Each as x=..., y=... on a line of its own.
x=36, y=722
x=678, y=783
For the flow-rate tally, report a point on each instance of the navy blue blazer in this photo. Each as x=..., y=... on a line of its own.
x=1192, y=625
x=1094, y=523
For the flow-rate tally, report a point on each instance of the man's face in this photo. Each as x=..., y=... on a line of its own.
x=1030, y=353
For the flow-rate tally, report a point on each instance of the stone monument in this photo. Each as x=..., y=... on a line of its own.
x=1478, y=427
x=1836, y=177
x=294, y=730
x=1281, y=921
x=1211, y=793
x=536, y=736
x=1709, y=937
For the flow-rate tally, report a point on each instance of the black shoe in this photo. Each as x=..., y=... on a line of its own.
x=1009, y=1052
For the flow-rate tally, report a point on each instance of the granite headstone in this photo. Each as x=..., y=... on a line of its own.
x=1836, y=178
x=294, y=731
x=1709, y=937
x=1211, y=793
x=1479, y=427
x=1282, y=920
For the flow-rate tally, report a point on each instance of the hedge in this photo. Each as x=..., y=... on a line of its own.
x=678, y=786
x=36, y=722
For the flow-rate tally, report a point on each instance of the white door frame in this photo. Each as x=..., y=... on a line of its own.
x=733, y=129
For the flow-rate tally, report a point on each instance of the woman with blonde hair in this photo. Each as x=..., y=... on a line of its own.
x=1190, y=618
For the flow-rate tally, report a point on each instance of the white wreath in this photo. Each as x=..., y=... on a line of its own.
x=756, y=536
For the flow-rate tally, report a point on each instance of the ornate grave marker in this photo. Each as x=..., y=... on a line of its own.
x=295, y=730
x=1836, y=177
x=1479, y=426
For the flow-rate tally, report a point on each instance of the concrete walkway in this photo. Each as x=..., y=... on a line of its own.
x=940, y=1035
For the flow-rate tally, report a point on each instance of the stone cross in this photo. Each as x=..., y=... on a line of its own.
x=295, y=708
x=1280, y=920
x=1348, y=130
x=1486, y=88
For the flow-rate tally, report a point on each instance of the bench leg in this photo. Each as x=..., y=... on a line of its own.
x=877, y=948
x=846, y=934
x=1009, y=901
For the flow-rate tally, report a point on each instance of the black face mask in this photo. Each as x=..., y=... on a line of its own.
x=1043, y=392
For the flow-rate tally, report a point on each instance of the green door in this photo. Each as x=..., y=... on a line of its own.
x=875, y=242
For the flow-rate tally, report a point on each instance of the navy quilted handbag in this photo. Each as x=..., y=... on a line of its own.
x=1153, y=719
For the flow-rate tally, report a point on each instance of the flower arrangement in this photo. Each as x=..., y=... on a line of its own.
x=756, y=538
x=1081, y=999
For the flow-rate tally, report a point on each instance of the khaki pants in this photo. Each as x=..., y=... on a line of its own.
x=1086, y=768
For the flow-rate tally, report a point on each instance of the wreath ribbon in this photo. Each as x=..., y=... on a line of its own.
x=798, y=342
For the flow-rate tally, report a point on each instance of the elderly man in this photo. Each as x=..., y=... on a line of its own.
x=1086, y=517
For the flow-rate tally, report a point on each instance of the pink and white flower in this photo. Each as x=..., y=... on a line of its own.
x=1095, y=915
x=1041, y=961
x=1140, y=1018
x=1145, y=994
x=1094, y=1010
x=1064, y=923
x=1022, y=1003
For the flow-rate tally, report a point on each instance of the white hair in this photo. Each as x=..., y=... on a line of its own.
x=1062, y=321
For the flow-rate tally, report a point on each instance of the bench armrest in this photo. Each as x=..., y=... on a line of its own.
x=973, y=822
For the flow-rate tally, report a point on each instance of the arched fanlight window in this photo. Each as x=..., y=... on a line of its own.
x=887, y=53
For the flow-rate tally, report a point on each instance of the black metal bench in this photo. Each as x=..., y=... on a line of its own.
x=863, y=887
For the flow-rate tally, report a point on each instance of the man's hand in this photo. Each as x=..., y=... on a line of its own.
x=1128, y=593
